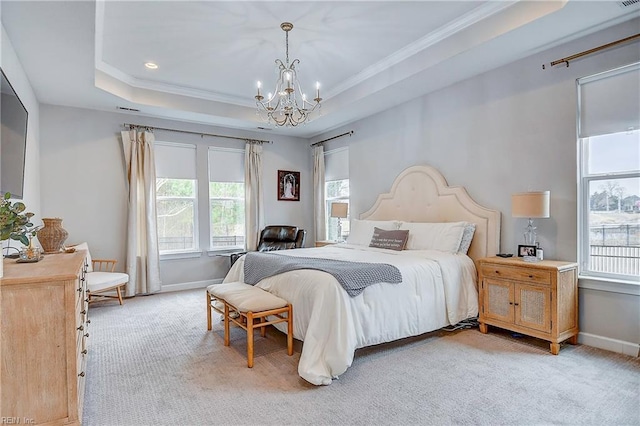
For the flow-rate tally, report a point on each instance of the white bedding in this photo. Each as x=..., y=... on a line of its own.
x=437, y=289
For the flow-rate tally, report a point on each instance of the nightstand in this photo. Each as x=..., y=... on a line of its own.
x=537, y=299
x=325, y=243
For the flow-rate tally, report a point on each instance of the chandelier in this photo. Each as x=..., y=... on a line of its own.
x=287, y=105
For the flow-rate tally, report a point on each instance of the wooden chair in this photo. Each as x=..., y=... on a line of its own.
x=102, y=278
x=253, y=306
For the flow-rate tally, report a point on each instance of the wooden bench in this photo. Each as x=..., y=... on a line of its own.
x=253, y=305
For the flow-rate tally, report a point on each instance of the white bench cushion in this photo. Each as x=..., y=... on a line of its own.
x=99, y=281
x=245, y=297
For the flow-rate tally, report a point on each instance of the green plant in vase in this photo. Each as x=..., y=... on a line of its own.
x=15, y=222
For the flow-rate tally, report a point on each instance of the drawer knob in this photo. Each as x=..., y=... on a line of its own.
x=81, y=374
x=79, y=289
x=88, y=321
x=517, y=304
x=83, y=311
x=84, y=352
x=530, y=276
x=497, y=272
x=86, y=335
x=80, y=328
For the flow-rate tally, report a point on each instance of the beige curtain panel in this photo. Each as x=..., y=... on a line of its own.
x=319, y=211
x=142, y=255
x=253, y=198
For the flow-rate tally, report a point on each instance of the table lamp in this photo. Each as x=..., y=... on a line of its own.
x=531, y=205
x=339, y=210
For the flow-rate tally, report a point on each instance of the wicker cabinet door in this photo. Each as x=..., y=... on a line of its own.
x=533, y=307
x=498, y=300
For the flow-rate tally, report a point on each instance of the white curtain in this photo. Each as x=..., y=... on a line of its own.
x=319, y=211
x=142, y=256
x=254, y=204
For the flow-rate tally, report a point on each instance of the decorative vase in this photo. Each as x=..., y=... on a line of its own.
x=53, y=235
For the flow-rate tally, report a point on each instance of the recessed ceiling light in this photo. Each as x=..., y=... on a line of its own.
x=151, y=65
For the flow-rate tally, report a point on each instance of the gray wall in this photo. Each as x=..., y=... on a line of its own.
x=20, y=81
x=83, y=182
x=509, y=130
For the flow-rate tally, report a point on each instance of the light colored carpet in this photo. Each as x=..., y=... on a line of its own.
x=152, y=362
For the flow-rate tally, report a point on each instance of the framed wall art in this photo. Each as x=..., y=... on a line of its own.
x=288, y=185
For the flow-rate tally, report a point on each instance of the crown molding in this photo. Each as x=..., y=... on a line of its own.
x=465, y=21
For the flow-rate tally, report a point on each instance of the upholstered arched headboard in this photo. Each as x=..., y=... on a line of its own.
x=421, y=194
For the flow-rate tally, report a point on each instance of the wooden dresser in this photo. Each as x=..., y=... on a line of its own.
x=43, y=345
x=323, y=243
x=537, y=299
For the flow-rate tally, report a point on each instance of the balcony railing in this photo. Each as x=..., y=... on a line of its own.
x=185, y=243
x=615, y=248
x=623, y=260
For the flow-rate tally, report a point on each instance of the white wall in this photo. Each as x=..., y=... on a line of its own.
x=509, y=130
x=83, y=182
x=12, y=68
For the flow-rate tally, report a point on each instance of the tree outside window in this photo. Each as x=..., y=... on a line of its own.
x=227, y=214
x=176, y=207
x=611, y=181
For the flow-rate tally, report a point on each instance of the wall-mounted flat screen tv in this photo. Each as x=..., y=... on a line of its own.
x=13, y=140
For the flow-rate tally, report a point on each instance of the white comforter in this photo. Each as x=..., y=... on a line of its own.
x=437, y=289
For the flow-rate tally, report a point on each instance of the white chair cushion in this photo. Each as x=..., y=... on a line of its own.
x=245, y=297
x=100, y=281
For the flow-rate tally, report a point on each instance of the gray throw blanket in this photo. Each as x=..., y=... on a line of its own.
x=353, y=276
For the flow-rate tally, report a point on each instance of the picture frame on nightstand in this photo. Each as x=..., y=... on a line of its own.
x=526, y=250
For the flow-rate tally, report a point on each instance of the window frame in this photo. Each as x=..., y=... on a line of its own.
x=584, y=210
x=211, y=250
x=218, y=249
x=329, y=200
x=195, y=250
x=597, y=280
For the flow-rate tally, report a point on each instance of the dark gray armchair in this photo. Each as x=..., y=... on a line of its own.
x=281, y=237
x=277, y=237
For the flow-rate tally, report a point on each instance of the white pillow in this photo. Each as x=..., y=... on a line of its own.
x=361, y=231
x=434, y=236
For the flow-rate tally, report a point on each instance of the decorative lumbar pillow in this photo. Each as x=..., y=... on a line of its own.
x=393, y=240
x=360, y=231
x=445, y=236
x=467, y=237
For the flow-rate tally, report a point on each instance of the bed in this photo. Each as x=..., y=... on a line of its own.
x=438, y=288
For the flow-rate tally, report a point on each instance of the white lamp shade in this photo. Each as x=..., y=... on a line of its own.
x=339, y=209
x=530, y=204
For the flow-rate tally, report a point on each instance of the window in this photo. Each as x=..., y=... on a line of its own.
x=336, y=190
x=176, y=200
x=226, y=198
x=609, y=181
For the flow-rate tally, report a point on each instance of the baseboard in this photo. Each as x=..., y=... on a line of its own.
x=190, y=285
x=606, y=343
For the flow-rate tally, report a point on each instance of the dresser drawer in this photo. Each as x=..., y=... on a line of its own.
x=515, y=273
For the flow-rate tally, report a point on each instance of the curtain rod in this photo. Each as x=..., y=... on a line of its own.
x=590, y=51
x=141, y=126
x=335, y=137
